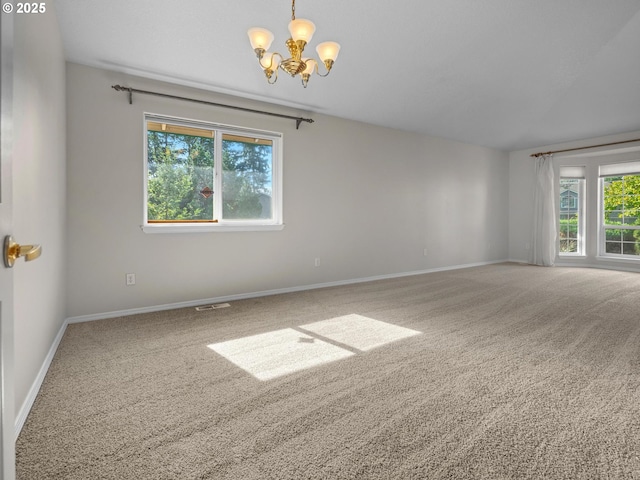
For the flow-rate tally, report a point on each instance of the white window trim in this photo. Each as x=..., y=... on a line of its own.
x=582, y=194
x=602, y=253
x=196, y=228
x=274, y=224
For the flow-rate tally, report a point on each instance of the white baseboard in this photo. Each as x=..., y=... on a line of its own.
x=602, y=266
x=264, y=293
x=518, y=260
x=35, y=387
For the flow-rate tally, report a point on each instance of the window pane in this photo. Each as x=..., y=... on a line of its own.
x=247, y=170
x=613, y=247
x=613, y=217
x=568, y=246
x=569, y=226
x=621, y=197
x=621, y=206
x=613, y=234
x=631, y=248
x=179, y=173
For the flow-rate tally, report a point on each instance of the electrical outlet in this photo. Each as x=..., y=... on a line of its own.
x=131, y=279
x=317, y=262
x=424, y=252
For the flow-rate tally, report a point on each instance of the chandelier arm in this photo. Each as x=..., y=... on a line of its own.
x=317, y=70
x=270, y=66
x=274, y=77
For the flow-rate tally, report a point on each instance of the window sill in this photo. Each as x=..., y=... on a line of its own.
x=210, y=228
x=603, y=258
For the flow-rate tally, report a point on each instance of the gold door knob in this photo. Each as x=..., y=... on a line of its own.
x=13, y=251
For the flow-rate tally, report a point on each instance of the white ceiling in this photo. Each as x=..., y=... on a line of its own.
x=507, y=74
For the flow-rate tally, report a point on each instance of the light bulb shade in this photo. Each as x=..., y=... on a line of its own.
x=260, y=38
x=269, y=61
x=301, y=29
x=311, y=63
x=328, y=51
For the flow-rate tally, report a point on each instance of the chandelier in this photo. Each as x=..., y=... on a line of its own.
x=301, y=31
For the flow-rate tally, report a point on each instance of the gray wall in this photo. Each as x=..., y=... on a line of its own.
x=39, y=177
x=366, y=200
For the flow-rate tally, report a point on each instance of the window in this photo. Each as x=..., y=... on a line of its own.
x=206, y=177
x=620, y=210
x=568, y=198
x=571, y=217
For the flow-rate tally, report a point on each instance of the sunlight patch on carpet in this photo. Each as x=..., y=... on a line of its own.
x=277, y=353
x=361, y=333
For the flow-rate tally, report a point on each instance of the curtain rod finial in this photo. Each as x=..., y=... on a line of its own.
x=120, y=88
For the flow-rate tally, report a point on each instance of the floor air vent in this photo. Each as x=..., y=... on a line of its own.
x=215, y=306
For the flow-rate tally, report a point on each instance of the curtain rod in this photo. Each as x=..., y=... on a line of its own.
x=120, y=88
x=583, y=148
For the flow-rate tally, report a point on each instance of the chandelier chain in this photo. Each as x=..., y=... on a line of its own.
x=293, y=9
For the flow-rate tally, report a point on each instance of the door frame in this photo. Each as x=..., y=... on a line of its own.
x=7, y=388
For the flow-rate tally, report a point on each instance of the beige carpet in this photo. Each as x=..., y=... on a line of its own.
x=511, y=372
